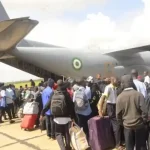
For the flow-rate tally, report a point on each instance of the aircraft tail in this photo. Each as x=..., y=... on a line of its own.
x=12, y=31
x=3, y=13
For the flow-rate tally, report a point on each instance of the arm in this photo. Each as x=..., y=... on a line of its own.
x=47, y=106
x=100, y=105
x=74, y=96
x=102, y=100
x=3, y=95
x=119, y=111
x=134, y=86
x=70, y=105
x=143, y=108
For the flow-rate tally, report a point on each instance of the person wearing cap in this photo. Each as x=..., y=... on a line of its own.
x=131, y=112
x=140, y=86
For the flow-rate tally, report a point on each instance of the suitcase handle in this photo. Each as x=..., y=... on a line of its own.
x=73, y=123
x=104, y=117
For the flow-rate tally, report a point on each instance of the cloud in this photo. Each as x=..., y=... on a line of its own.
x=96, y=31
x=10, y=74
x=50, y=6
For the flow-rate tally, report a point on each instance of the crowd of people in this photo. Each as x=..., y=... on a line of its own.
x=124, y=100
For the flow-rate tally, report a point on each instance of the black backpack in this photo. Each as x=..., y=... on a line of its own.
x=58, y=104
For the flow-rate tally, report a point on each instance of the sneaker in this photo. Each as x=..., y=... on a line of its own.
x=1, y=121
x=11, y=121
x=36, y=127
x=52, y=139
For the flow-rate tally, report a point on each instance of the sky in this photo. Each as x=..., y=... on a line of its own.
x=110, y=24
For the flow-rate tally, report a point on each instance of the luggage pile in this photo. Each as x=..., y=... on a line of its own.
x=30, y=112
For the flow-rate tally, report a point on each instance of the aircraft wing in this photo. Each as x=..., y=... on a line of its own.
x=13, y=31
x=129, y=51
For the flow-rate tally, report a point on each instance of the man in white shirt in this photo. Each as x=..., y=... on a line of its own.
x=110, y=94
x=146, y=77
x=4, y=106
x=140, y=86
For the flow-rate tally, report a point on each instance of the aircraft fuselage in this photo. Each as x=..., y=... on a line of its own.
x=75, y=63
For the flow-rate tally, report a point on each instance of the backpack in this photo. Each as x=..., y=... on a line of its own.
x=58, y=104
x=80, y=100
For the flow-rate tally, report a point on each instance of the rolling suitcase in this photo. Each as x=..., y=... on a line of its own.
x=28, y=122
x=100, y=133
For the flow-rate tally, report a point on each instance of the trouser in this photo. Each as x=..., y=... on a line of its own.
x=12, y=110
x=7, y=110
x=135, y=138
x=1, y=113
x=111, y=111
x=16, y=105
x=60, y=132
x=148, y=135
x=50, y=126
x=4, y=114
x=83, y=122
x=37, y=123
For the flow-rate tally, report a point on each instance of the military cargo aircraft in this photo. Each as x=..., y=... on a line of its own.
x=16, y=51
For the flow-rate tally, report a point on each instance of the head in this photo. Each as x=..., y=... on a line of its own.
x=126, y=81
x=114, y=81
x=36, y=89
x=3, y=87
x=68, y=85
x=107, y=81
x=119, y=83
x=134, y=73
x=98, y=76
x=50, y=82
x=81, y=82
x=13, y=86
x=45, y=84
x=140, y=78
x=21, y=87
x=1, y=84
x=145, y=73
x=60, y=84
x=90, y=79
x=9, y=86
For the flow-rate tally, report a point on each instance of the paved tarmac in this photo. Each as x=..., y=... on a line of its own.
x=13, y=138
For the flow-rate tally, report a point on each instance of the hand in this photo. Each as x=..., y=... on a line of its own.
x=100, y=114
x=41, y=118
x=72, y=123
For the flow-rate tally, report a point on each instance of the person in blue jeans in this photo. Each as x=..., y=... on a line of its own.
x=46, y=95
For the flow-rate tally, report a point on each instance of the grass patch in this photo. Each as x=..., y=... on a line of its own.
x=23, y=83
